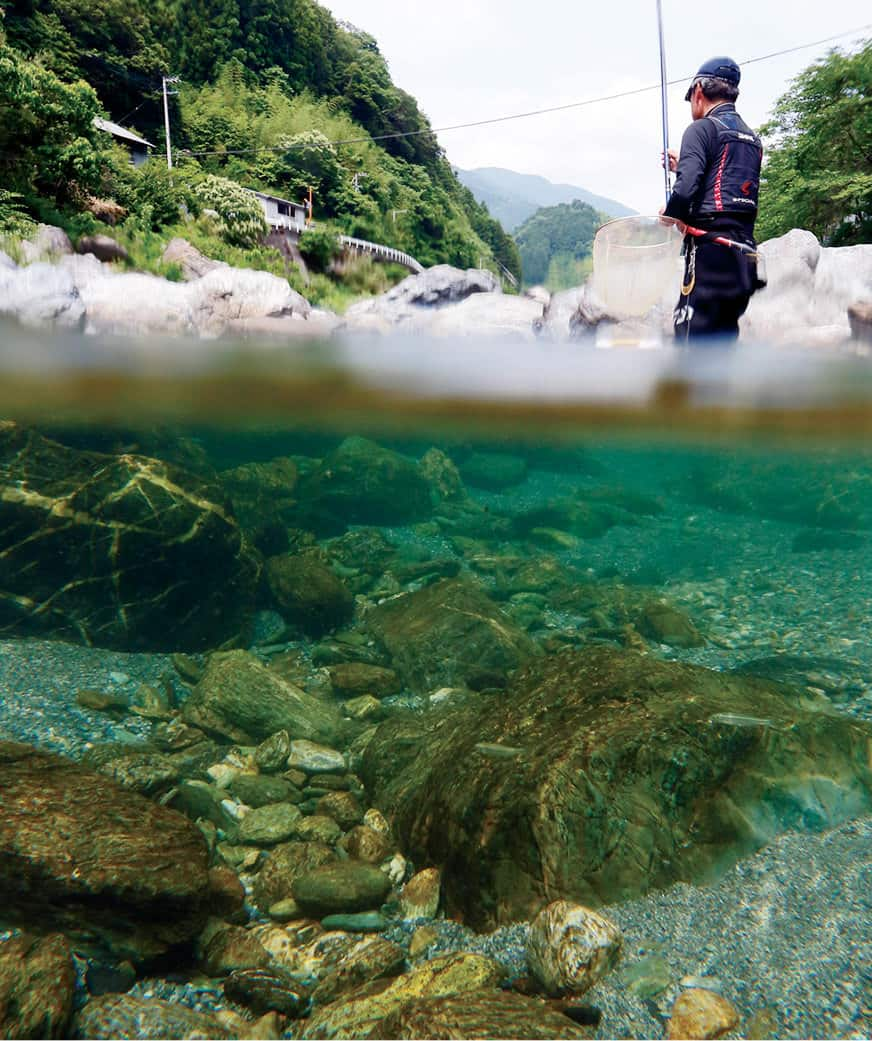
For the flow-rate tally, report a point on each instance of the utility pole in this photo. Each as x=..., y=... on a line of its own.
x=309, y=208
x=166, y=108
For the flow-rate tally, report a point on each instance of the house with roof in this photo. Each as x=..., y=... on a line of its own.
x=137, y=146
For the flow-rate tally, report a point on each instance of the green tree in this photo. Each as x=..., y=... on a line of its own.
x=818, y=167
x=240, y=218
x=565, y=231
x=48, y=144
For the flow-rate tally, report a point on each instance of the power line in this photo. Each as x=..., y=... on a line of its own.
x=534, y=112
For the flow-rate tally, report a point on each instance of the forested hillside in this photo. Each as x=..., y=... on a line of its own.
x=556, y=243
x=274, y=94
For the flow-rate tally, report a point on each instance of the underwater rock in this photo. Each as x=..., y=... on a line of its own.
x=700, y=1014
x=272, y=754
x=262, y=790
x=269, y=825
x=813, y=494
x=263, y=499
x=570, y=947
x=633, y=773
x=340, y=887
x=285, y=863
x=362, y=482
x=373, y=958
x=233, y=947
x=312, y=758
x=441, y=635
x=37, y=984
x=493, y=471
x=443, y=476
x=420, y=895
x=586, y=520
x=342, y=807
x=667, y=624
x=318, y=828
x=366, y=844
x=115, y=1016
x=353, y=678
x=308, y=593
x=361, y=1014
x=120, y=551
x=480, y=1015
x=141, y=768
x=267, y=990
x=81, y=855
x=243, y=701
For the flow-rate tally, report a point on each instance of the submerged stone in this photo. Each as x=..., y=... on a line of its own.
x=444, y=634
x=479, y=1016
x=359, y=922
x=81, y=855
x=308, y=593
x=362, y=482
x=627, y=781
x=362, y=1013
x=123, y=1015
x=571, y=947
x=37, y=984
x=244, y=701
x=119, y=551
x=341, y=887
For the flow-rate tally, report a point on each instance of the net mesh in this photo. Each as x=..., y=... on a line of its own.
x=635, y=264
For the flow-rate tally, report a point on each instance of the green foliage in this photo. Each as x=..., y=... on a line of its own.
x=818, y=168
x=320, y=245
x=47, y=142
x=240, y=219
x=556, y=239
x=14, y=220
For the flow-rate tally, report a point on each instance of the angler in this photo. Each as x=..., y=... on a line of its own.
x=716, y=186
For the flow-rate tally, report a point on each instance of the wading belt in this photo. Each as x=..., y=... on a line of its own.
x=708, y=236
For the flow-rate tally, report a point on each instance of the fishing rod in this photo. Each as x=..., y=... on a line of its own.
x=722, y=240
x=664, y=110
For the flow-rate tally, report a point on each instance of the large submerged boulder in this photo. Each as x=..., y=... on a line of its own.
x=362, y=482
x=81, y=855
x=448, y=633
x=118, y=551
x=602, y=774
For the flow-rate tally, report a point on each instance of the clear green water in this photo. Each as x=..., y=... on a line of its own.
x=664, y=511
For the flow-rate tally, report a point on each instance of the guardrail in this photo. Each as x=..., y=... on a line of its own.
x=379, y=252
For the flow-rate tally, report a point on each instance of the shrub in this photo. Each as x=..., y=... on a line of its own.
x=320, y=245
x=240, y=219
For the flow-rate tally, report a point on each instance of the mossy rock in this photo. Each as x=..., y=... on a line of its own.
x=308, y=593
x=626, y=774
x=243, y=701
x=341, y=887
x=442, y=635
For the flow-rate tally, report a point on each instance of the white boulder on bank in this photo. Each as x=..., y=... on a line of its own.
x=82, y=293
x=810, y=288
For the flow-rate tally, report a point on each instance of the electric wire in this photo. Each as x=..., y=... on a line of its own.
x=526, y=115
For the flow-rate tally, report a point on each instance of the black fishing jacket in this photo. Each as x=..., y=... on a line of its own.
x=718, y=176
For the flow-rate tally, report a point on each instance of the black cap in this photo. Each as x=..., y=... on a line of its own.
x=721, y=68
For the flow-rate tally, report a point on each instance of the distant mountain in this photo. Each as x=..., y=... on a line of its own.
x=513, y=197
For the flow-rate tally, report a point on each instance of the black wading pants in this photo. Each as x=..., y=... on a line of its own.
x=718, y=283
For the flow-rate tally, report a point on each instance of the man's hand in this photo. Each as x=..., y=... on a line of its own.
x=673, y=160
x=672, y=220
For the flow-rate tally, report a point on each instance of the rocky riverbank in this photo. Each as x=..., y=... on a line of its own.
x=816, y=296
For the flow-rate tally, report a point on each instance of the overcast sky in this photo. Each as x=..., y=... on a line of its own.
x=465, y=60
